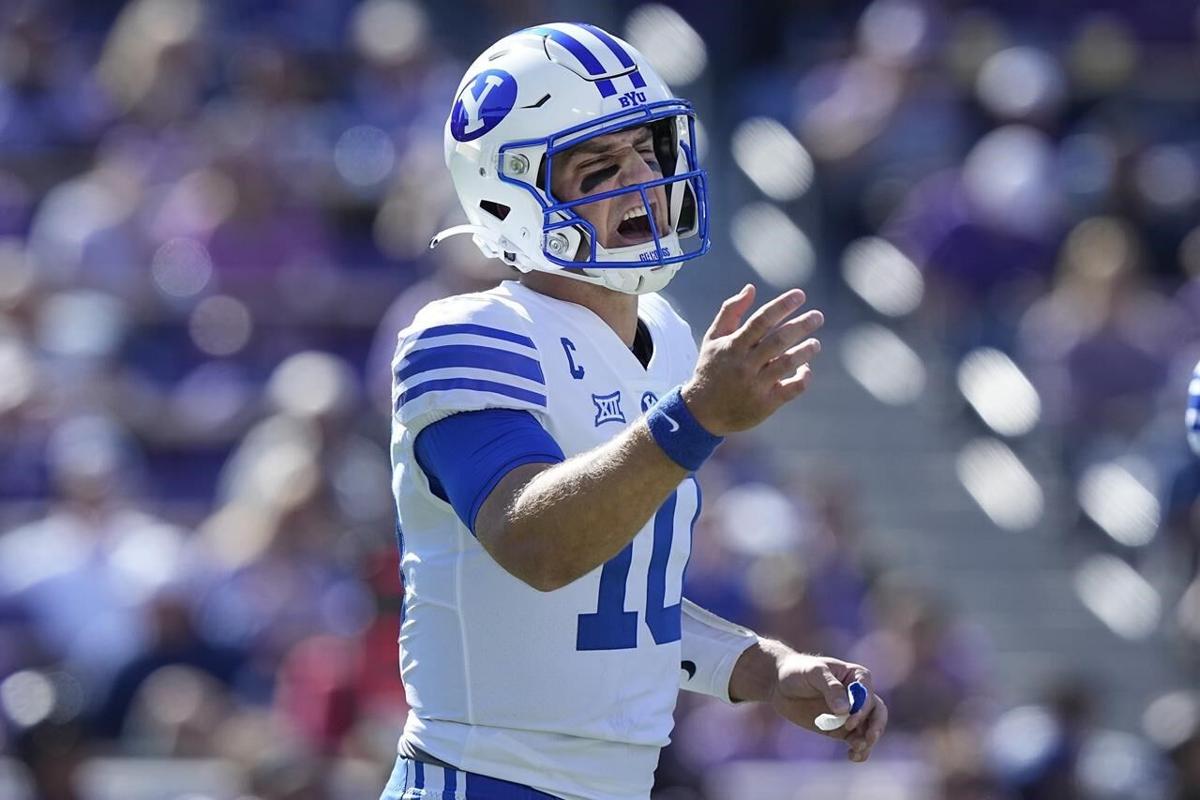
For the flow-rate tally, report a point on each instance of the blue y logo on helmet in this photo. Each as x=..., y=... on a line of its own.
x=483, y=103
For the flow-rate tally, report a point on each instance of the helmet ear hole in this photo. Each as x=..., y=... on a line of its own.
x=497, y=210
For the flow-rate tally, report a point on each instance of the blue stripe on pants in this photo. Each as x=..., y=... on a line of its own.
x=481, y=787
x=408, y=782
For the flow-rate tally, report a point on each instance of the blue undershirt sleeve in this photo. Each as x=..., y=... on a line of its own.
x=465, y=455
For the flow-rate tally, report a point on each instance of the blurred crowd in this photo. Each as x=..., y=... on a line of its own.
x=214, y=219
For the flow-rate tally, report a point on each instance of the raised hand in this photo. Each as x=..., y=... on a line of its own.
x=746, y=371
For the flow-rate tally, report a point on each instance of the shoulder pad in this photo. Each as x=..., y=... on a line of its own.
x=466, y=353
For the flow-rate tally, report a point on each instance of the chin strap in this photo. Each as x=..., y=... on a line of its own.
x=475, y=230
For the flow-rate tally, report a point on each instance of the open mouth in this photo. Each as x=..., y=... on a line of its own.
x=634, y=227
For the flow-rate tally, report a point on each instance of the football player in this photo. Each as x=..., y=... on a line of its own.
x=545, y=439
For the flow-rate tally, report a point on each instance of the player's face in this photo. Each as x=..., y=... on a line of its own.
x=611, y=162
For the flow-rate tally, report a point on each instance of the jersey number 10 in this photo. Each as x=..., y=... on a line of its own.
x=611, y=627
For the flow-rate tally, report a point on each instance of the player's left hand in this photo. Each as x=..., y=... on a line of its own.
x=808, y=686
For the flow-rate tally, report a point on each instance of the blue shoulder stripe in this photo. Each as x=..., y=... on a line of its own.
x=585, y=57
x=478, y=330
x=620, y=52
x=448, y=384
x=469, y=355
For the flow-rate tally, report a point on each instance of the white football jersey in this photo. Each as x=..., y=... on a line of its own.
x=571, y=691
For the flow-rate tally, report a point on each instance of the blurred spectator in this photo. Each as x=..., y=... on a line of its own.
x=1038, y=748
x=174, y=642
x=1097, y=344
x=54, y=751
x=1057, y=750
x=84, y=571
x=1186, y=758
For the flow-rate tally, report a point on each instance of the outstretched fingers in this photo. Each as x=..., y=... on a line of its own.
x=731, y=312
x=729, y=390
x=793, y=386
x=787, y=335
x=763, y=321
x=785, y=365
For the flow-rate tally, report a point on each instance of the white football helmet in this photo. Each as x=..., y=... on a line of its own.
x=547, y=89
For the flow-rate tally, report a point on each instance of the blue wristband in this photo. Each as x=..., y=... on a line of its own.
x=681, y=437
